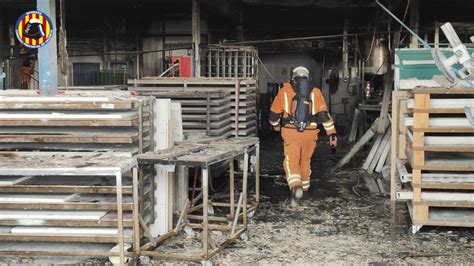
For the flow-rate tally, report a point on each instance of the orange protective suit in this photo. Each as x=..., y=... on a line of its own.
x=299, y=146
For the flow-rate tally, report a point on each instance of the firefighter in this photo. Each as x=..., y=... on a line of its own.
x=26, y=71
x=296, y=111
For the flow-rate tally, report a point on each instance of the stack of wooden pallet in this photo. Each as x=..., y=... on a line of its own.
x=435, y=171
x=74, y=120
x=71, y=194
x=206, y=101
x=204, y=112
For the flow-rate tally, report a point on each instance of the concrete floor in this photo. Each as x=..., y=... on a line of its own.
x=332, y=225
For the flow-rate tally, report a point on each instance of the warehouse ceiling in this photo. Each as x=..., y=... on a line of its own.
x=261, y=19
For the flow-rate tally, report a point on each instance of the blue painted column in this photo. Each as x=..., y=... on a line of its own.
x=47, y=55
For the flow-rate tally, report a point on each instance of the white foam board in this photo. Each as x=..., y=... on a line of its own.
x=51, y=215
x=36, y=198
x=63, y=230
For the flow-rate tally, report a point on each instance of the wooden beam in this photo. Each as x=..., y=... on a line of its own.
x=388, y=86
x=196, y=32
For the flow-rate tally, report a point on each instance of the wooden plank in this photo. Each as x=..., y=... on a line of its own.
x=355, y=125
x=383, y=158
x=440, y=122
x=420, y=120
x=63, y=189
x=68, y=223
x=66, y=122
x=35, y=198
x=9, y=181
x=457, y=186
x=51, y=215
x=97, y=238
x=64, y=206
x=388, y=86
x=397, y=143
x=372, y=152
x=383, y=144
x=371, y=185
x=447, y=104
x=56, y=138
x=446, y=129
x=444, y=203
x=37, y=230
x=403, y=128
x=454, y=90
x=445, y=148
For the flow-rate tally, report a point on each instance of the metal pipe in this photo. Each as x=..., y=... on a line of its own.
x=320, y=37
x=134, y=52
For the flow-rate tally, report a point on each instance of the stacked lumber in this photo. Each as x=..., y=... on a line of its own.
x=67, y=197
x=377, y=158
x=204, y=112
x=435, y=156
x=74, y=121
x=60, y=156
x=206, y=101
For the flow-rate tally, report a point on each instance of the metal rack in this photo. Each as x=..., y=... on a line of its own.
x=225, y=61
x=197, y=217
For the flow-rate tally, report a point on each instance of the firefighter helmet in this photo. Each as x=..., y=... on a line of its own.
x=300, y=71
x=34, y=29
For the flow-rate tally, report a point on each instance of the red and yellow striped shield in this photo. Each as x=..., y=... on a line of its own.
x=34, y=29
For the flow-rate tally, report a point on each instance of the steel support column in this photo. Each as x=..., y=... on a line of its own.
x=47, y=55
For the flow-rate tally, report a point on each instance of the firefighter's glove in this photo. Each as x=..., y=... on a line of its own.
x=333, y=141
x=277, y=128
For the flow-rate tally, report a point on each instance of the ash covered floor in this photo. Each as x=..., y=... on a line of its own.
x=335, y=225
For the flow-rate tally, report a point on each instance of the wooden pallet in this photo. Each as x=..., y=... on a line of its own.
x=437, y=145
x=205, y=96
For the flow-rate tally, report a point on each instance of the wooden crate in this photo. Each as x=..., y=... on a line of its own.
x=205, y=96
x=438, y=143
